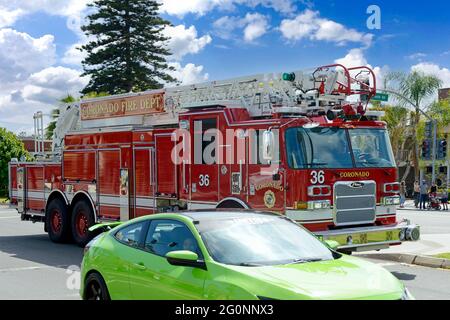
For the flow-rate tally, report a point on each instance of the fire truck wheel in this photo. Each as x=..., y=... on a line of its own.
x=82, y=220
x=58, y=222
x=95, y=288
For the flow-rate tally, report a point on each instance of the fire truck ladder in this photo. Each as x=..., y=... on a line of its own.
x=318, y=90
x=39, y=142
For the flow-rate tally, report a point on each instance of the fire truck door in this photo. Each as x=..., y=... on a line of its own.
x=238, y=159
x=204, y=180
x=21, y=190
x=144, y=164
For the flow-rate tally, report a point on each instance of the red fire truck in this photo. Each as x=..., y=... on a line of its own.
x=302, y=144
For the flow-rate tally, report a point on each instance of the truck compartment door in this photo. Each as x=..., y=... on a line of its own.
x=21, y=190
x=166, y=175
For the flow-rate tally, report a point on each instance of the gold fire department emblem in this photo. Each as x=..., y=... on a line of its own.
x=269, y=199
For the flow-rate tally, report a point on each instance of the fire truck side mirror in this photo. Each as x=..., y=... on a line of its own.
x=268, y=145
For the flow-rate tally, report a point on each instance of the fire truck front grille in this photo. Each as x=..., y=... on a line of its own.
x=354, y=202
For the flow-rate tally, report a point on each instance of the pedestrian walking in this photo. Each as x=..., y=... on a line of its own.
x=416, y=194
x=444, y=200
x=423, y=195
x=402, y=194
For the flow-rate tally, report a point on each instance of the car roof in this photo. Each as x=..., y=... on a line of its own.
x=224, y=214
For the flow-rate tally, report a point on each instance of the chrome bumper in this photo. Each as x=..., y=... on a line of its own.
x=372, y=238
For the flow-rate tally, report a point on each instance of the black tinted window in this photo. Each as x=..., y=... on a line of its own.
x=130, y=235
x=165, y=236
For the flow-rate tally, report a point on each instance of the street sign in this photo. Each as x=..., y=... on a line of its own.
x=383, y=97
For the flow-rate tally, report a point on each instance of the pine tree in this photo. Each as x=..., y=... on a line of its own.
x=128, y=51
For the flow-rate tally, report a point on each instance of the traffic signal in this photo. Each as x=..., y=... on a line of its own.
x=428, y=129
x=426, y=150
x=442, y=150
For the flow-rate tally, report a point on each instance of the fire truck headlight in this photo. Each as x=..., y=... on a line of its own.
x=318, y=205
x=391, y=201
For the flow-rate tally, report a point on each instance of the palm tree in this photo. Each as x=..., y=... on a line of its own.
x=416, y=86
x=55, y=114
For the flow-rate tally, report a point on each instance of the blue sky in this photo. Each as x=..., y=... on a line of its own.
x=216, y=39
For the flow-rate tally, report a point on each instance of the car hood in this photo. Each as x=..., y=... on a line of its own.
x=343, y=278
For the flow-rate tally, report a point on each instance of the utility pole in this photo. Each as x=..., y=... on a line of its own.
x=433, y=175
x=435, y=123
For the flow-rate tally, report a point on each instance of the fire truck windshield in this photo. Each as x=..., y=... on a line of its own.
x=372, y=148
x=337, y=148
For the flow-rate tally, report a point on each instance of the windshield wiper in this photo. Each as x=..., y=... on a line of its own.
x=246, y=264
x=306, y=260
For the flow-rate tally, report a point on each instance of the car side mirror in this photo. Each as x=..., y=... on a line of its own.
x=332, y=244
x=184, y=258
x=268, y=142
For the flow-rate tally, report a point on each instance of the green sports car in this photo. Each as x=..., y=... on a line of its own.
x=225, y=255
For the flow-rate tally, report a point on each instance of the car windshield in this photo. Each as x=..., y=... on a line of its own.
x=260, y=241
x=338, y=148
x=371, y=148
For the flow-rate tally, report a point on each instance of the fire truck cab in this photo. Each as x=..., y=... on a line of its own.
x=288, y=143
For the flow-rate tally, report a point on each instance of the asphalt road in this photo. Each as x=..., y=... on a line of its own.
x=32, y=267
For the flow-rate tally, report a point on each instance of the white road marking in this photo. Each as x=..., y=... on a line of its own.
x=32, y=268
x=12, y=217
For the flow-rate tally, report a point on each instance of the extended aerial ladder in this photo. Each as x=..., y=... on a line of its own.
x=302, y=93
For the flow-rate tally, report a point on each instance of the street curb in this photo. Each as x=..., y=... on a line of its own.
x=424, y=261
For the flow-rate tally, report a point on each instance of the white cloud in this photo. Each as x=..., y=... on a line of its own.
x=356, y=58
x=254, y=26
x=49, y=85
x=9, y=17
x=309, y=25
x=185, y=41
x=224, y=26
x=29, y=82
x=73, y=56
x=416, y=56
x=430, y=68
x=22, y=54
x=40, y=92
x=54, y=7
x=188, y=74
x=257, y=26
x=200, y=7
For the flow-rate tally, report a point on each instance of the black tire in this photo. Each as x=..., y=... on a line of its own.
x=95, y=288
x=230, y=204
x=82, y=220
x=57, y=221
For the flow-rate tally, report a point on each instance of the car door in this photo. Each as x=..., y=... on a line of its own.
x=152, y=277
x=121, y=256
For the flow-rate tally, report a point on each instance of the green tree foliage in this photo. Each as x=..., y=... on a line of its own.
x=93, y=95
x=441, y=112
x=416, y=86
x=129, y=51
x=10, y=147
x=397, y=123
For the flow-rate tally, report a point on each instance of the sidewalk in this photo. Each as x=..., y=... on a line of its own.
x=434, y=239
x=409, y=205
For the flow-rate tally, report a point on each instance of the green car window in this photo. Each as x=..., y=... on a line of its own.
x=165, y=236
x=130, y=235
x=260, y=241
